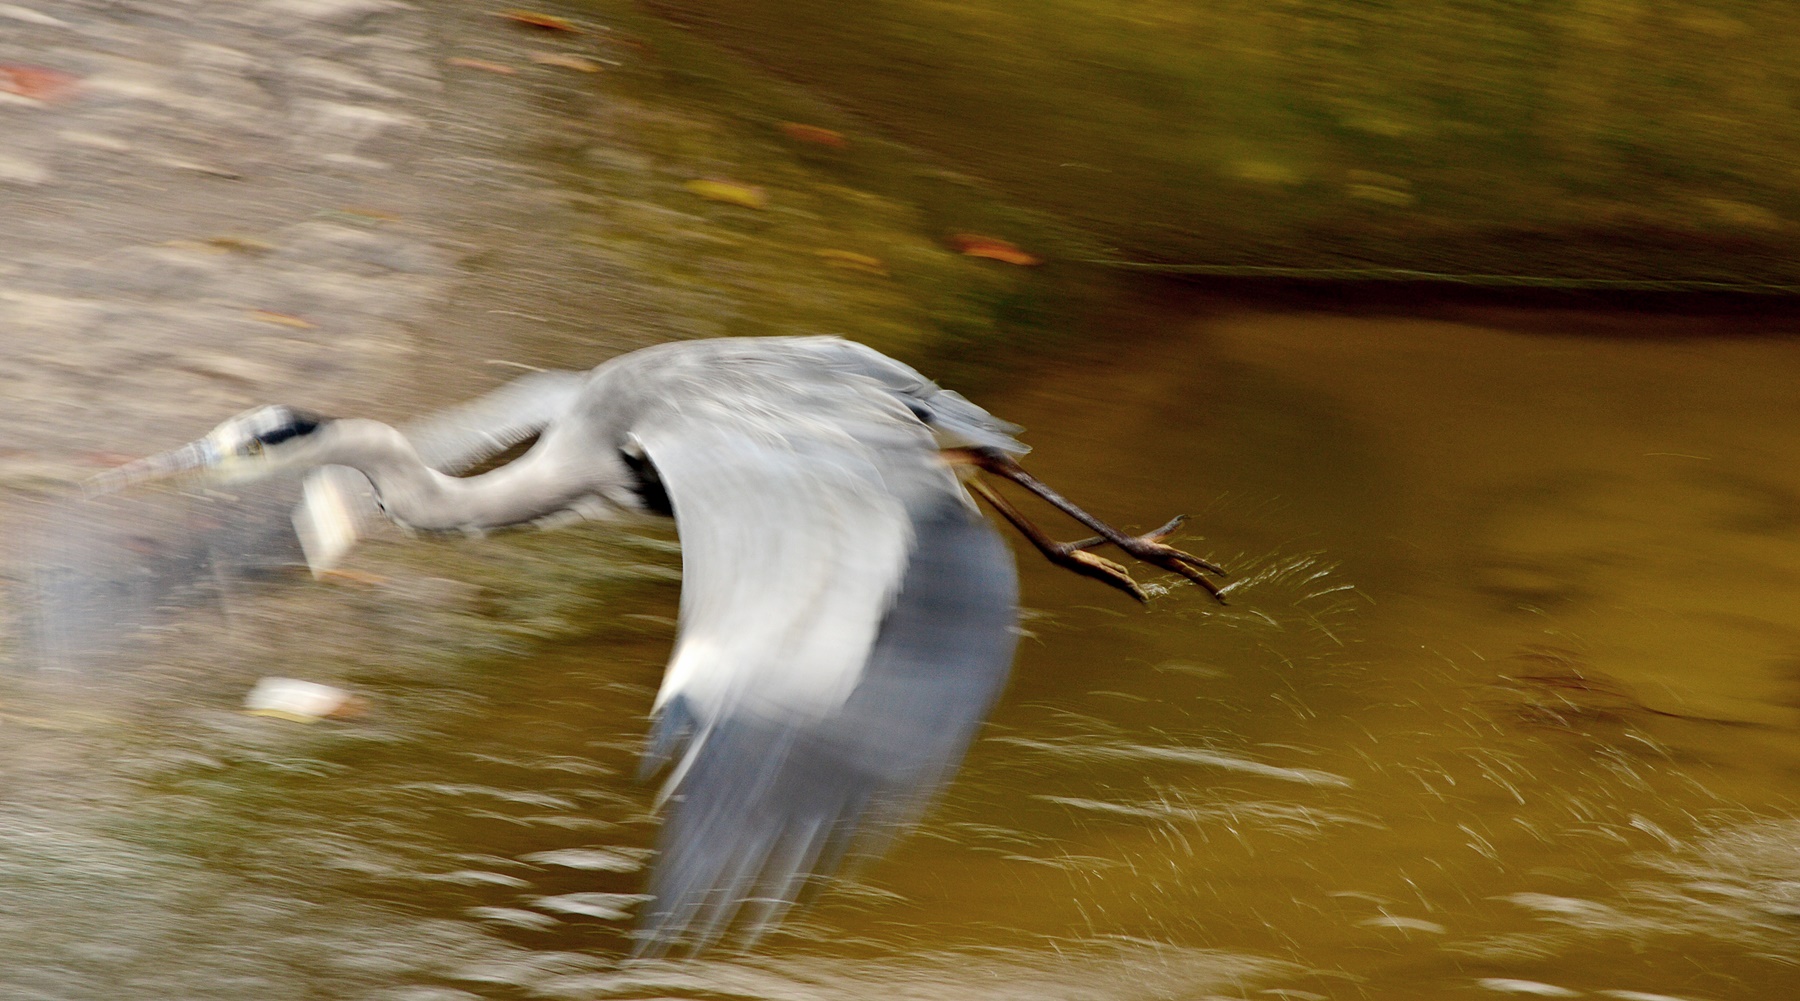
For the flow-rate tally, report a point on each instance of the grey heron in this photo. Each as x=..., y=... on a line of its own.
x=847, y=617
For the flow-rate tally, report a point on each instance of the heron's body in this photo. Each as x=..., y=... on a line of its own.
x=847, y=616
x=834, y=399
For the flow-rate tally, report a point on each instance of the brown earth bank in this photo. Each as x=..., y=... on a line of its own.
x=1610, y=141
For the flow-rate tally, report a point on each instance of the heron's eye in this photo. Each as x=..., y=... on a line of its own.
x=253, y=447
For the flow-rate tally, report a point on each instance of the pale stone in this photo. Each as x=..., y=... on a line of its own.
x=20, y=171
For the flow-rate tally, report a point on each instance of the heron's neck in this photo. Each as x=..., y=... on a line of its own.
x=417, y=496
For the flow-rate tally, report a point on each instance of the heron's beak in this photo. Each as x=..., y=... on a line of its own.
x=197, y=455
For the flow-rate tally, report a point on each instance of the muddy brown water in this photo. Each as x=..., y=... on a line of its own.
x=1503, y=704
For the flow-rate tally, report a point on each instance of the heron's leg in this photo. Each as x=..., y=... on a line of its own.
x=1148, y=547
x=1069, y=555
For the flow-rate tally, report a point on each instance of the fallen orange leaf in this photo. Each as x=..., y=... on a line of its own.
x=853, y=260
x=481, y=64
x=579, y=64
x=976, y=245
x=747, y=195
x=814, y=134
x=36, y=82
x=281, y=319
x=533, y=19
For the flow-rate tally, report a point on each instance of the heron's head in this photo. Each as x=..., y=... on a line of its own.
x=253, y=444
x=261, y=441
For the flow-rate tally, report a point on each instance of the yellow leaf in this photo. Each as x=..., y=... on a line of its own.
x=853, y=260
x=566, y=60
x=481, y=64
x=747, y=195
x=814, y=134
x=533, y=19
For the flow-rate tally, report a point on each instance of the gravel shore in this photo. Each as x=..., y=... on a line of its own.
x=374, y=208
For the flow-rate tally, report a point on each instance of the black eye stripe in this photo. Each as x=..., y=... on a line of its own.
x=286, y=431
x=288, y=424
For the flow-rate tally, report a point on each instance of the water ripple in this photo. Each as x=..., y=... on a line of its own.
x=1179, y=755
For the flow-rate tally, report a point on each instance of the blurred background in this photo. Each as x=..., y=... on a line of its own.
x=1461, y=329
x=1572, y=142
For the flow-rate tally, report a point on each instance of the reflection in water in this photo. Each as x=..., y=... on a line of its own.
x=1503, y=704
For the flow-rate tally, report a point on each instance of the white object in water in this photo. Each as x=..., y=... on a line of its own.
x=301, y=701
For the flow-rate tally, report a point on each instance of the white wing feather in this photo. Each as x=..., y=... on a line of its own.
x=846, y=615
x=792, y=546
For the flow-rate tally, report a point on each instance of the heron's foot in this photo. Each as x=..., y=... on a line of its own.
x=1074, y=556
x=1150, y=548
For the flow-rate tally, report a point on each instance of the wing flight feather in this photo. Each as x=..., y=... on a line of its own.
x=791, y=550
x=846, y=620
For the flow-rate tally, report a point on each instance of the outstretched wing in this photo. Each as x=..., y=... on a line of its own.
x=847, y=619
